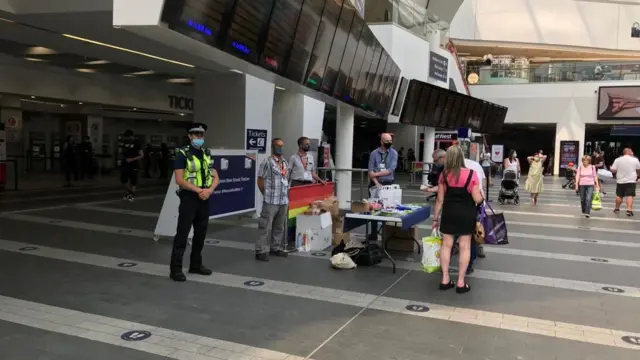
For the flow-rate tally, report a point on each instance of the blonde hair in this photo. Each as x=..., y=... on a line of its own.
x=454, y=162
x=586, y=157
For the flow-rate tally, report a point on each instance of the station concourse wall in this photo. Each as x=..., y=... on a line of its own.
x=593, y=24
x=569, y=105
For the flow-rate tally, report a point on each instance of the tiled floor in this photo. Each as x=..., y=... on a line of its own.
x=83, y=279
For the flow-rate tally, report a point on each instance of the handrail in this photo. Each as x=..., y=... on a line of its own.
x=560, y=72
x=452, y=49
x=324, y=170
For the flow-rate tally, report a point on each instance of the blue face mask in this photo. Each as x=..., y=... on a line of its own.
x=197, y=142
x=278, y=151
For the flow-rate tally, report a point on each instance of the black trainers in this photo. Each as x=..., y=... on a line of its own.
x=178, y=276
x=262, y=257
x=278, y=253
x=629, y=213
x=200, y=270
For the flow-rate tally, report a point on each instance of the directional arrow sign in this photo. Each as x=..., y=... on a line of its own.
x=256, y=140
x=252, y=142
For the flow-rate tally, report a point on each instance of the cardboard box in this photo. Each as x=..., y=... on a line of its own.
x=313, y=232
x=359, y=206
x=337, y=238
x=337, y=225
x=398, y=239
x=331, y=206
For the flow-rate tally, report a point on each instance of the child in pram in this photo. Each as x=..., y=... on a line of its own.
x=570, y=175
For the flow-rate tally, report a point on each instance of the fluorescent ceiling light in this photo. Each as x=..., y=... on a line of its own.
x=33, y=97
x=236, y=71
x=180, y=81
x=126, y=50
x=39, y=50
x=86, y=70
x=34, y=59
x=146, y=72
x=97, y=62
x=80, y=102
x=280, y=88
x=129, y=75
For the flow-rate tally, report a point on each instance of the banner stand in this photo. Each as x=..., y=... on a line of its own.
x=235, y=195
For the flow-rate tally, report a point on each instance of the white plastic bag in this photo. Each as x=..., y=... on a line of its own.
x=342, y=261
x=431, y=252
x=387, y=195
x=605, y=174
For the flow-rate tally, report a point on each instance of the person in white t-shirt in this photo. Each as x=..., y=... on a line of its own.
x=627, y=171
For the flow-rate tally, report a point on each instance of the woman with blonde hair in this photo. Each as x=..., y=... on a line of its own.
x=586, y=181
x=458, y=196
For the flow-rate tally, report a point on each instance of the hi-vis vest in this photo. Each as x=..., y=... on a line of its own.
x=193, y=173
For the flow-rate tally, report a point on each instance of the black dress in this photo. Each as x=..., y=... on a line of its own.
x=458, y=209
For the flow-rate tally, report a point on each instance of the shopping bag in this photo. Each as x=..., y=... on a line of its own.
x=495, y=227
x=596, y=202
x=478, y=234
x=431, y=252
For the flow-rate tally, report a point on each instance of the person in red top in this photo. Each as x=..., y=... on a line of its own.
x=458, y=196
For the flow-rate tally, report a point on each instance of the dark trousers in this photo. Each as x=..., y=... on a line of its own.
x=70, y=169
x=192, y=212
x=373, y=235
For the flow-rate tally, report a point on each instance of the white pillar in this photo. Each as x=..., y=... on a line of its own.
x=344, y=153
x=428, y=148
x=296, y=115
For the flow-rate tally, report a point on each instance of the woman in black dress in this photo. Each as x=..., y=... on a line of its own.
x=458, y=196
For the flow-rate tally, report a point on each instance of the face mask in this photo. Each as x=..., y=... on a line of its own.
x=278, y=150
x=515, y=155
x=197, y=142
x=306, y=148
x=387, y=145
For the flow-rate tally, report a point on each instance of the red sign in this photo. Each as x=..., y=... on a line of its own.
x=270, y=61
x=12, y=122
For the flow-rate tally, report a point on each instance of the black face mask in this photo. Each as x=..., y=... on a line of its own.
x=387, y=145
x=306, y=148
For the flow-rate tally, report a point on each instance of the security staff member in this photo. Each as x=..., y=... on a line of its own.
x=197, y=180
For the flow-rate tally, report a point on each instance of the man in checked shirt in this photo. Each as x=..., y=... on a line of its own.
x=273, y=181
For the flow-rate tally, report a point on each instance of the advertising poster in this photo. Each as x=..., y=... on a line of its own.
x=497, y=153
x=569, y=153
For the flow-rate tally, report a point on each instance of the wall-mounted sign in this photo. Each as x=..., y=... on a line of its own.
x=438, y=67
x=445, y=137
x=180, y=103
x=635, y=30
x=257, y=140
x=568, y=153
x=241, y=47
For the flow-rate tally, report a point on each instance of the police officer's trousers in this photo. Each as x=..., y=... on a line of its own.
x=192, y=212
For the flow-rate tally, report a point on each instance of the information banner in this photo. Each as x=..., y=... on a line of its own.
x=236, y=193
x=497, y=153
x=569, y=153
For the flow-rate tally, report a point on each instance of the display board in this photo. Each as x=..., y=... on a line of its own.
x=343, y=85
x=280, y=34
x=323, y=44
x=569, y=152
x=338, y=52
x=249, y=23
x=234, y=195
x=619, y=103
x=434, y=106
x=198, y=19
x=303, y=40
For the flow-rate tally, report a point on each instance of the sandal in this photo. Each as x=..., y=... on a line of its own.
x=629, y=213
x=448, y=286
x=465, y=289
x=616, y=211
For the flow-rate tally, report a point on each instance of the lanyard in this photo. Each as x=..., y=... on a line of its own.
x=283, y=167
x=384, y=157
x=304, y=160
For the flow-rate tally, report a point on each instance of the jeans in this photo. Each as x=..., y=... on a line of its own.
x=586, y=197
x=474, y=251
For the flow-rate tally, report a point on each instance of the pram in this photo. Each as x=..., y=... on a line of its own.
x=570, y=175
x=509, y=188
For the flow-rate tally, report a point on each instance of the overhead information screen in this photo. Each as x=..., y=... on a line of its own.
x=371, y=76
x=409, y=107
x=323, y=43
x=348, y=59
x=247, y=26
x=338, y=50
x=390, y=87
x=305, y=35
x=280, y=34
x=373, y=92
x=198, y=19
x=364, y=71
x=359, y=71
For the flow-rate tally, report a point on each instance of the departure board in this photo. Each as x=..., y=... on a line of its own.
x=382, y=88
x=372, y=91
x=461, y=111
x=249, y=22
x=371, y=75
x=280, y=34
x=364, y=70
x=338, y=50
x=348, y=59
x=359, y=71
x=323, y=44
x=303, y=40
x=410, y=101
x=198, y=19
x=390, y=88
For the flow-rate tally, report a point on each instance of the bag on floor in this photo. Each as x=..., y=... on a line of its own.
x=495, y=227
x=342, y=261
x=431, y=252
x=369, y=255
x=596, y=202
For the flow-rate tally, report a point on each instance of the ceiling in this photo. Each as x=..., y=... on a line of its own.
x=540, y=52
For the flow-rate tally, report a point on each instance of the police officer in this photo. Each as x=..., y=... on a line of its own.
x=197, y=179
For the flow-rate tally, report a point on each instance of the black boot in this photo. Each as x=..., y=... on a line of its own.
x=178, y=276
x=200, y=270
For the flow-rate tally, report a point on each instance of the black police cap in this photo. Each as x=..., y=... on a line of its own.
x=197, y=127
